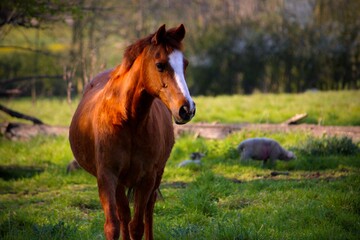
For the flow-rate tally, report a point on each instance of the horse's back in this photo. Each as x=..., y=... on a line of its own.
x=98, y=82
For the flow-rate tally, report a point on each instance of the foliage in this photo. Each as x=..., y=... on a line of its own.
x=326, y=146
x=233, y=46
x=17, y=61
x=31, y=13
x=256, y=56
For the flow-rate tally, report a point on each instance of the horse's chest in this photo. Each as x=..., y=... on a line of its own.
x=145, y=149
x=152, y=146
x=147, y=156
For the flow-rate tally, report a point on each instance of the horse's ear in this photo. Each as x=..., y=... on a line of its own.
x=179, y=33
x=159, y=35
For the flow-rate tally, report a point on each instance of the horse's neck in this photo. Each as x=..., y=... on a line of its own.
x=125, y=95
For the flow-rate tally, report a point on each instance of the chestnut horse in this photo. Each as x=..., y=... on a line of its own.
x=122, y=130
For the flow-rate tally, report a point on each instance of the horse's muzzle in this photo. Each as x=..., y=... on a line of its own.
x=186, y=113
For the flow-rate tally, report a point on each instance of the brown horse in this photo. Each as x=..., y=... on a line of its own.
x=122, y=130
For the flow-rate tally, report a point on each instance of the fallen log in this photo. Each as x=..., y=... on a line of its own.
x=20, y=115
x=295, y=119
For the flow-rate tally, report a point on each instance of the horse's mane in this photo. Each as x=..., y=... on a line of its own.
x=134, y=50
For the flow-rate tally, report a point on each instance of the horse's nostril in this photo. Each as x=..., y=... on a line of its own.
x=184, y=113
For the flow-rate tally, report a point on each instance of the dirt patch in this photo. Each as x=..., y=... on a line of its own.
x=219, y=131
x=21, y=131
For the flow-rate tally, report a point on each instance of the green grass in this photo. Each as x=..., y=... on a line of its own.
x=53, y=111
x=326, y=108
x=340, y=108
x=221, y=199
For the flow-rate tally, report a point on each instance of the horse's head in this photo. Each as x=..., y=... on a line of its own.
x=165, y=73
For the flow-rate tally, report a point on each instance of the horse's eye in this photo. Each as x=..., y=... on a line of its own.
x=160, y=66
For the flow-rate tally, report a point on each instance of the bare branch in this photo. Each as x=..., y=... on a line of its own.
x=19, y=79
x=20, y=115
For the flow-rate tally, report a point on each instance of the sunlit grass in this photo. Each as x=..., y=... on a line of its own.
x=53, y=111
x=325, y=108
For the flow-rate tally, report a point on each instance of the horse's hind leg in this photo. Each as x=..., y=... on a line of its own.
x=107, y=183
x=142, y=194
x=123, y=211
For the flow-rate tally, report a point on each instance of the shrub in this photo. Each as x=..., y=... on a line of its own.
x=329, y=146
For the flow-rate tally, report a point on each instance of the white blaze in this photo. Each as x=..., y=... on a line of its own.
x=176, y=61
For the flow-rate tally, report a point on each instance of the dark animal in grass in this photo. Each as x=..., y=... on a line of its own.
x=195, y=158
x=72, y=166
x=263, y=149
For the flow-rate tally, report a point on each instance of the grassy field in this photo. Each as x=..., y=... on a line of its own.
x=221, y=199
x=325, y=108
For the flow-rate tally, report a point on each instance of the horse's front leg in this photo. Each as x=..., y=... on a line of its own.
x=107, y=183
x=149, y=212
x=142, y=194
x=123, y=211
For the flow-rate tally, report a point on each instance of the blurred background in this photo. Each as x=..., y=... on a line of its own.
x=54, y=47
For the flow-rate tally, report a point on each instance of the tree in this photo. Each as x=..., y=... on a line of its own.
x=234, y=46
